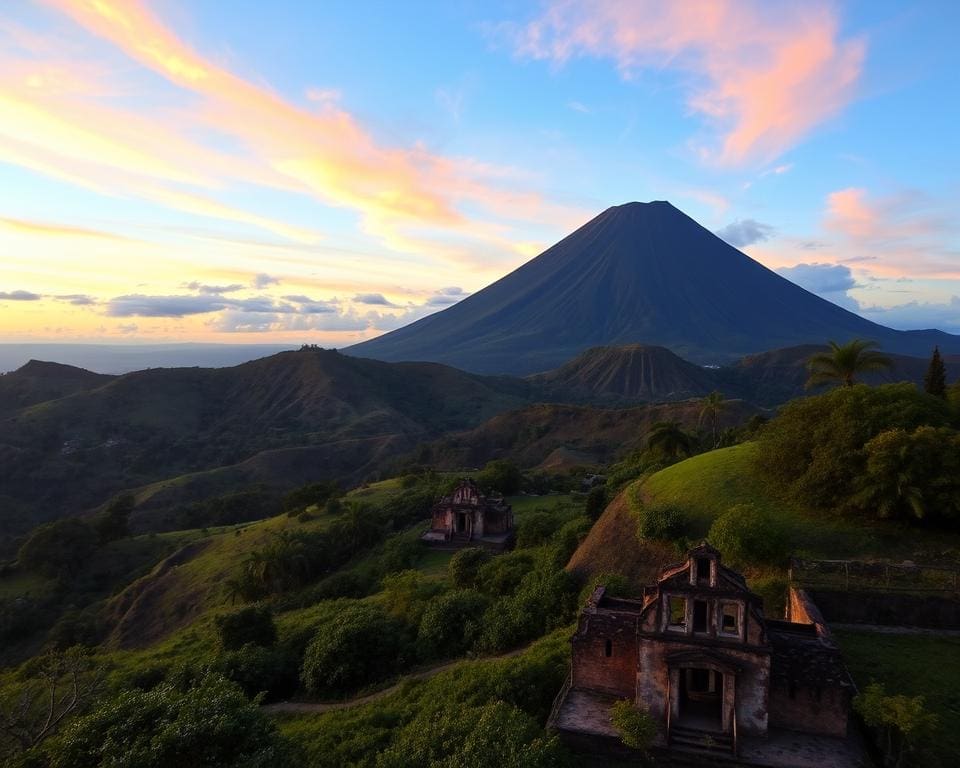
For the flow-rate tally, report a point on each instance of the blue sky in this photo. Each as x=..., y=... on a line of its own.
x=323, y=172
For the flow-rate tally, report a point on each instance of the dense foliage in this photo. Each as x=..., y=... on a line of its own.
x=636, y=728
x=251, y=624
x=844, y=448
x=210, y=723
x=361, y=644
x=747, y=535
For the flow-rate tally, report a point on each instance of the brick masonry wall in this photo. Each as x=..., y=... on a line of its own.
x=592, y=668
x=808, y=711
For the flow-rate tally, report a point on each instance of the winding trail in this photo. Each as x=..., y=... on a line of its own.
x=318, y=707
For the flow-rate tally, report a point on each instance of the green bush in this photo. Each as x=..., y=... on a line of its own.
x=748, y=536
x=596, y=502
x=500, y=477
x=58, y=550
x=358, y=646
x=615, y=586
x=636, y=728
x=536, y=528
x=209, y=724
x=274, y=672
x=503, y=574
x=815, y=447
x=488, y=736
x=399, y=554
x=463, y=570
x=663, y=523
x=451, y=623
x=253, y=624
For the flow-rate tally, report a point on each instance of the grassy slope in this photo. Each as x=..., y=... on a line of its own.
x=912, y=665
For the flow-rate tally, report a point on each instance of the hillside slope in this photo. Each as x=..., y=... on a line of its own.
x=531, y=436
x=638, y=273
x=39, y=381
x=65, y=455
x=632, y=372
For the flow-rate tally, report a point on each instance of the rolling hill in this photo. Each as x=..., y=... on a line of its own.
x=39, y=381
x=639, y=273
x=287, y=419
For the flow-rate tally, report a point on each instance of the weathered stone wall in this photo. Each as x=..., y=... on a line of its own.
x=592, y=668
x=889, y=609
x=809, y=709
x=751, y=684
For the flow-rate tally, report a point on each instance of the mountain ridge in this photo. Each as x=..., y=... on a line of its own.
x=638, y=273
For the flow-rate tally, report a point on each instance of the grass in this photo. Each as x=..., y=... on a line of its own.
x=914, y=665
x=707, y=485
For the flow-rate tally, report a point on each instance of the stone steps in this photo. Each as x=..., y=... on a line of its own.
x=700, y=741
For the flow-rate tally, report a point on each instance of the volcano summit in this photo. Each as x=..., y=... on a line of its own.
x=639, y=273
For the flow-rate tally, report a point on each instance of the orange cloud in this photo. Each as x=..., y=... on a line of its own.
x=766, y=76
x=56, y=230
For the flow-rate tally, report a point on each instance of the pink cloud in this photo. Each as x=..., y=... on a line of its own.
x=764, y=76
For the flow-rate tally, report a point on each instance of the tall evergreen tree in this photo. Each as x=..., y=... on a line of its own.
x=935, y=382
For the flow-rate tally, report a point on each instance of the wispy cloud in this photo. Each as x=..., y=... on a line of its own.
x=830, y=281
x=373, y=299
x=407, y=195
x=764, y=75
x=907, y=233
x=50, y=229
x=19, y=296
x=744, y=232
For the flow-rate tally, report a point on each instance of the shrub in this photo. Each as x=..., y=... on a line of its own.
x=253, y=624
x=596, y=502
x=747, y=535
x=210, y=723
x=536, y=528
x=464, y=567
x=902, y=724
x=273, y=672
x=502, y=575
x=500, y=476
x=451, y=623
x=406, y=594
x=58, y=550
x=636, y=728
x=496, y=734
x=815, y=447
x=615, y=586
x=399, y=554
x=664, y=523
x=359, y=645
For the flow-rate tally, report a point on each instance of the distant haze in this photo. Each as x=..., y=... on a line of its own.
x=123, y=358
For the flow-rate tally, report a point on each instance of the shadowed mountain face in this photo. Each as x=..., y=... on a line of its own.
x=39, y=381
x=640, y=273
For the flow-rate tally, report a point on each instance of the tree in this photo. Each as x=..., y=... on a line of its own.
x=844, y=362
x=901, y=722
x=710, y=409
x=463, y=570
x=360, y=645
x=747, y=535
x=253, y=624
x=210, y=723
x=596, y=502
x=451, y=623
x=500, y=476
x=935, y=380
x=636, y=728
x=113, y=522
x=669, y=439
x=65, y=682
x=57, y=550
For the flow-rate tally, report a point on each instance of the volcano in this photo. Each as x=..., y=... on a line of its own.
x=639, y=273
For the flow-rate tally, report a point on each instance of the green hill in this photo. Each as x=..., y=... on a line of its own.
x=709, y=484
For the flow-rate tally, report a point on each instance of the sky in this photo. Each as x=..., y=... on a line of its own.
x=291, y=172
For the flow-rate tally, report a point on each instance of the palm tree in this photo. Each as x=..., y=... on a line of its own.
x=844, y=362
x=670, y=439
x=710, y=408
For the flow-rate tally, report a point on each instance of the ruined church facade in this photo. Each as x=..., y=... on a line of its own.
x=696, y=652
x=469, y=517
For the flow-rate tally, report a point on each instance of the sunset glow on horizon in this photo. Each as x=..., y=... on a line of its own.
x=297, y=172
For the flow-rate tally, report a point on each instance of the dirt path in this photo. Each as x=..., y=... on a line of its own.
x=318, y=707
